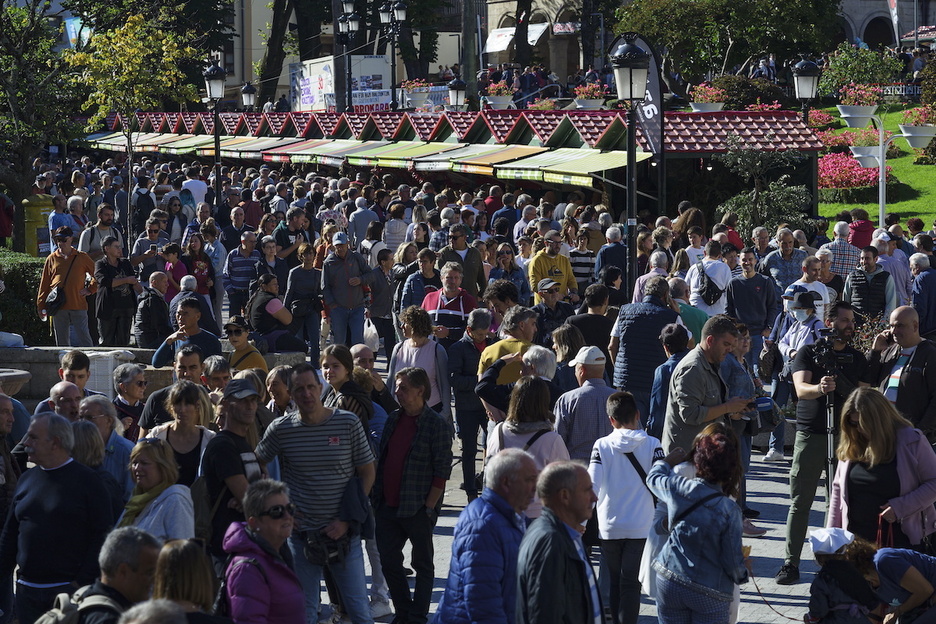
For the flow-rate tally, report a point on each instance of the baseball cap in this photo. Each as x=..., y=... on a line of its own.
x=546, y=284
x=828, y=541
x=805, y=300
x=884, y=236
x=117, y=181
x=237, y=322
x=588, y=356
x=63, y=232
x=340, y=238
x=793, y=290
x=240, y=389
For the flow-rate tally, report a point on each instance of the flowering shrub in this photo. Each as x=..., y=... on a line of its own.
x=543, y=104
x=868, y=137
x=919, y=116
x=820, y=119
x=589, y=91
x=854, y=94
x=835, y=141
x=414, y=85
x=499, y=88
x=706, y=94
x=763, y=108
x=842, y=171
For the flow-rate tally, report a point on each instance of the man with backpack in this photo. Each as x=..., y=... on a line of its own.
x=708, y=279
x=128, y=565
x=142, y=203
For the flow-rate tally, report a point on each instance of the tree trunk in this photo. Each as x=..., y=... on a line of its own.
x=18, y=182
x=588, y=34
x=523, y=52
x=309, y=17
x=272, y=64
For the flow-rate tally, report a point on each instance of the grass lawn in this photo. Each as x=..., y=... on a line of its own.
x=915, y=193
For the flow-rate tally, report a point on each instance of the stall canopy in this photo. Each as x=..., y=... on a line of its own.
x=499, y=39
x=442, y=161
x=579, y=171
x=226, y=142
x=285, y=153
x=404, y=158
x=187, y=145
x=368, y=158
x=530, y=168
x=484, y=163
x=254, y=149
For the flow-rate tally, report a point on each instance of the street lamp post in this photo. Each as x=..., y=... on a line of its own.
x=456, y=92
x=631, y=65
x=249, y=96
x=806, y=81
x=391, y=17
x=348, y=26
x=214, y=84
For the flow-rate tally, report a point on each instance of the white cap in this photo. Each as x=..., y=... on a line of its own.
x=588, y=356
x=829, y=541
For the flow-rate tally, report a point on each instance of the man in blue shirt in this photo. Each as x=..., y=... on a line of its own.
x=784, y=266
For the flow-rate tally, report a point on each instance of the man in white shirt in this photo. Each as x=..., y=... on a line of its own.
x=717, y=271
x=812, y=267
x=193, y=183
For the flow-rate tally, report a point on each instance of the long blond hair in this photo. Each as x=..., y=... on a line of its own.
x=874, y=440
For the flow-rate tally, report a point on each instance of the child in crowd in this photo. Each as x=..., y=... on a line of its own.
x=839, y=593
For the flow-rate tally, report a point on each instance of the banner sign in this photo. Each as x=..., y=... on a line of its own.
x=650, y=111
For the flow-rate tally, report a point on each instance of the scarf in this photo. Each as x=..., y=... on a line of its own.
x=139, y=500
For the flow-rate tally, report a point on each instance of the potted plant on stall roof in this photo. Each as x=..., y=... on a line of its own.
x=919, y=125
x=859, y=101
x=704, y=98
x=500, y=95
x=589, y=96
x=417, y=92
x=543, y=104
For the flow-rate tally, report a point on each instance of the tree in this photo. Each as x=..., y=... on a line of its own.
x=37, y=102
x=118, y=66
x=769, y=202
x=853, y=64
x=706, y=38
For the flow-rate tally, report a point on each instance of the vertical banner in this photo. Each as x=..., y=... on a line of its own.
x=650, y=112
x=892, y=4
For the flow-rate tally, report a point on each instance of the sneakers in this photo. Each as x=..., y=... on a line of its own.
x=773, y=455
x=749, y=530
x=753, y=514
x=788, y=574
x=380, y=608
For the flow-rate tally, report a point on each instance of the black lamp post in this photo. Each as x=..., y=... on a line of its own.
x=214, y=84
x=348, y=26
x=456, y=92
x=249, y=96
x=631, y=65
x=391, y=17
x=806, y=81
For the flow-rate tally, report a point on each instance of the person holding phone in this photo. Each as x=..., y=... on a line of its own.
x=145, y=252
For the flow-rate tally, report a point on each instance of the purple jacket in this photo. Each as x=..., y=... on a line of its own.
x=275, y=599
x=916, y=468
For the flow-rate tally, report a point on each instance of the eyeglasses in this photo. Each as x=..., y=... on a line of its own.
x=504, y=253
x=551, y=291
x=152, y=231
x=233, y=332
x=141, y=383
x=554, y=242
x=278, y=511
x=90, y=417
x=456, y=236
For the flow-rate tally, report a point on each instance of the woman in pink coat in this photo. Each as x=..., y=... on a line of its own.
x=262, y=587
x=886, y=475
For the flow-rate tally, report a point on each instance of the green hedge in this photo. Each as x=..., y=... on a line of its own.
x=741, y=92
x=21, y=275
x=856, y=195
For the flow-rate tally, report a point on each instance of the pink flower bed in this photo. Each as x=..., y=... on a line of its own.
x=838, y=170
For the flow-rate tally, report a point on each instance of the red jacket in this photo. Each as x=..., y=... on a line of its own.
x=859, y=233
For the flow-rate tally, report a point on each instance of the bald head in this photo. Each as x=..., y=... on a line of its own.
x=363, y=356
x=65, y=397
x=905, y=327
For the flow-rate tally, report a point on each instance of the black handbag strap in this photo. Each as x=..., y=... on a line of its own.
x=642, y=473
x=526, y=447
x=68, y=272
x=693, y=507
x=245, y=356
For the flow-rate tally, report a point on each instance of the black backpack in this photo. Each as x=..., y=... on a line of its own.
x=708, y=289
x=145, y=204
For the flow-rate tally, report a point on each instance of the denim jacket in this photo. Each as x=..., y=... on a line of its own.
x=703, y=551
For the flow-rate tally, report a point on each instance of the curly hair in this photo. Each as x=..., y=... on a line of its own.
x=717, y=458
x=419, y=321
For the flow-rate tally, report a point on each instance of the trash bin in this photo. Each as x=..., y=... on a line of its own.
x=37, y=209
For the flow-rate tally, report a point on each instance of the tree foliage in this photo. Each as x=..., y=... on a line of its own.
x=850, y=63
x=37, y=102
x=705, y=38
x=769, y=202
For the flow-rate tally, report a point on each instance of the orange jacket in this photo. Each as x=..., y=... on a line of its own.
x=53, y=274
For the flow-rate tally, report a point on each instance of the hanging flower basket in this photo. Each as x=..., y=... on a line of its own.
x=500, y=102
x=704, y=98
x=589, y=103
x=706, y=107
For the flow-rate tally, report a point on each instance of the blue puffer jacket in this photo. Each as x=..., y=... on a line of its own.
x=640, y=351
x=482, y=581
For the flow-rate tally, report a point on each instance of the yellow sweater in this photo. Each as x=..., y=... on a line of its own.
x=558, y=268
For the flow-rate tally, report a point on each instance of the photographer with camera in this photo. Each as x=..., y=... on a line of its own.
x=823, y=372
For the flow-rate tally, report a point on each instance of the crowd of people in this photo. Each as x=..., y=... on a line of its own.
x=612, y=418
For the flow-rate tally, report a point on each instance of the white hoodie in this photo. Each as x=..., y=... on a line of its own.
x=625, y=505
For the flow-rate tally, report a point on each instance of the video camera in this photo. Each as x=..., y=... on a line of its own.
x=827, y=357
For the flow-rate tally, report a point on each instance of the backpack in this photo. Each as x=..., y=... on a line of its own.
x=221, y=605
x=145, y=204
x=204, y=514
x=67, y=609
x=708, y=289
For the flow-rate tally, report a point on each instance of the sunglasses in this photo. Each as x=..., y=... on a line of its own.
x=234, y=332
x=141, y=383
x=151, y=441
x=153, y=231
x=554, y=242
x=504, y=253
x=551, y=291
x=278, y=511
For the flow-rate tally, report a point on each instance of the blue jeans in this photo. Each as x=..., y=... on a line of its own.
x=469, y=423
x=237, y=301
x=680, y=604
x=780, y=395
x=343, y=319
x=31, y=602
x=753, y=355
x=348, y=575
x=310, y=330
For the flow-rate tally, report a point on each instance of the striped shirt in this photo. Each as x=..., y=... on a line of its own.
x=238, y=270
x=583, y=266
x=845, y=256
x=316, y=461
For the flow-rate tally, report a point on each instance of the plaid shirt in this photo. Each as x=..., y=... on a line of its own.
x=438, y=240
x=845, y=256
x=429, y=460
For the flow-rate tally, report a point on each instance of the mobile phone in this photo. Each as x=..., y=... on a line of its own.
x=153, y=248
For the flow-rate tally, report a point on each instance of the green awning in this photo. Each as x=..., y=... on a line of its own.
x=404, y=158
x=187, y=144
x=253, y=150
x=331, y=147
x=117, y=142
x=530, y=168
x=442, y=161
x=226, y=142
x=286, y=153
x=484, y=164
x=154, y=145
x=337, y=157
x=368, y=158
x=104, y=140
x=578, y=171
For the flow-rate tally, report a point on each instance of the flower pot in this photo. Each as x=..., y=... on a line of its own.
x=706, y=107
x=918, y=136
x=856, y=116
x=417, y=99
x=589, y=103
x=864, y=150
x=500, y=102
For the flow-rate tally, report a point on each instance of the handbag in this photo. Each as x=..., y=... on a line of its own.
x=300, y=307
x=56, y=298
x=767, y=361
x=881, y=539
x=322, y=550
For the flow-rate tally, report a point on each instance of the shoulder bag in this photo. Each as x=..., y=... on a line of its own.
x=56, y=299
